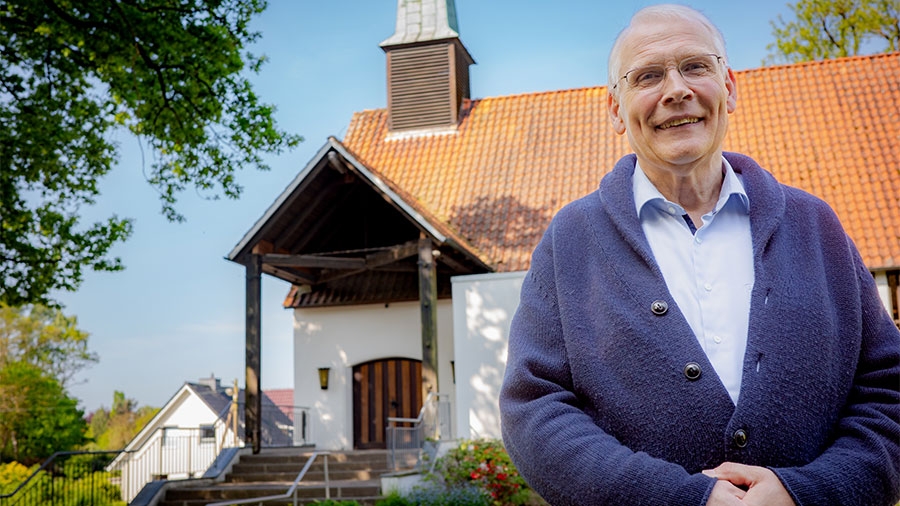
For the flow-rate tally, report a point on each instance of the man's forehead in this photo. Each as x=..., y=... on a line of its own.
x=661, y=38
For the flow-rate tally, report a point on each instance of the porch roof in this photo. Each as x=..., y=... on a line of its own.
x=342, y=233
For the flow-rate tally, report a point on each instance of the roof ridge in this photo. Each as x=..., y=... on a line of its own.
x=823, y=62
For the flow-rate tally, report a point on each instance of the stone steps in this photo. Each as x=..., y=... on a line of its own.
x=353, y=475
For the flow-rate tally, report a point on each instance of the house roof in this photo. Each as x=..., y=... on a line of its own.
x=217, y=400
x=831, y=128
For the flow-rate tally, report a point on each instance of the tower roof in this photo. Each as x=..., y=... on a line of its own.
x=422, y=21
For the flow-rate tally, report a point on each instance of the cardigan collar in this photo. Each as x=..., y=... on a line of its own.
x=767, y=201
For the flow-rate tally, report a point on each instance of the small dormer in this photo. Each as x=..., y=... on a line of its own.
x=427, y=67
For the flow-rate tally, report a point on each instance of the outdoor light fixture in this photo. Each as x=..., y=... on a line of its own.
x=323, y=377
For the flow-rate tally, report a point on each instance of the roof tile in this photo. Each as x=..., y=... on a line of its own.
x=830, y=127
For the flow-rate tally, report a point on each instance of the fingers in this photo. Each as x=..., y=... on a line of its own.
x=725, y=494
x=738, y=474
x=762, y=486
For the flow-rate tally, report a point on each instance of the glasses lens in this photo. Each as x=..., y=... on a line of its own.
x=692, y=69
x=698, y=67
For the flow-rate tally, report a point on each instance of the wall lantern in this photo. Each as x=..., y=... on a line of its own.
x=323, y=377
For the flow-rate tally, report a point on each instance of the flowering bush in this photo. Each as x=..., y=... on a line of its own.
x=486, y=465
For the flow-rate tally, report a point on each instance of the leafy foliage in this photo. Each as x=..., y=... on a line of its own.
x=483, y=464
x=69, y=479
x=438, y=496
x=12, y=474
x=173, y=72
x=113, y=429
x=44, y=337
x=835, y=28
x=38, y=418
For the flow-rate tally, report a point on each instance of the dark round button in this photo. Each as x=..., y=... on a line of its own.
x=659, y=307
x=740, y=438
x=692, y=371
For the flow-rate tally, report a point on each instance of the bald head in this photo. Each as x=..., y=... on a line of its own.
x=665, y=13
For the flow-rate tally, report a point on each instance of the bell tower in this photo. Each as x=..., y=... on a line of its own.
x=427, y=67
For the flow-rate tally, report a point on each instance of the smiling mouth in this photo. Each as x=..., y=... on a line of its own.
x=678, y=122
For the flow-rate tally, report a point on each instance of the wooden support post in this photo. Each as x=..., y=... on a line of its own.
x=252, y=397
x=428, y=305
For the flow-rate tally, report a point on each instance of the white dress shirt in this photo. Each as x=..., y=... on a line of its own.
x=709, y=272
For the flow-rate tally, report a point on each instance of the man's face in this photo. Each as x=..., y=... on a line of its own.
x=679, y=124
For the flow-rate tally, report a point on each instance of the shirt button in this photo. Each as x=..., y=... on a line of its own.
x=707, y=287
x=671, y=210
x=717, y=339
x=692, y=371
x=740, y=438
x=698, y=240
x=659, y=307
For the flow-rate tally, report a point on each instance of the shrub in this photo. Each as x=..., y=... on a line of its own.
x=486, y=465
x=438, y=496
x=12, y=474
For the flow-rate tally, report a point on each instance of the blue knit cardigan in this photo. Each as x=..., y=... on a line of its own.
x=599, y=406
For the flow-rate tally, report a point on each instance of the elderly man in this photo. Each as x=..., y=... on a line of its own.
x=694, y=332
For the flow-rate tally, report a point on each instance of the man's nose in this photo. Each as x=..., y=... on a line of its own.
x=675, y=87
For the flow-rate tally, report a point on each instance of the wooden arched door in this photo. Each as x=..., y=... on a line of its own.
x=384, y=388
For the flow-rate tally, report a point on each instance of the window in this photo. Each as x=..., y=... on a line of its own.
x=207, y=434
x=169, y=436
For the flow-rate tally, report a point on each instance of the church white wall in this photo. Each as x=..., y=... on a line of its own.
x=341, y=337
x=484, y=305
x=884, y=291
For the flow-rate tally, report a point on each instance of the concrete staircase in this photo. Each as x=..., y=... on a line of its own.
x=352, y=475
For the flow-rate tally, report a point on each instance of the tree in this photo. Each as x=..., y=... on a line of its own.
x=113, y=429
x=37, y=417
x=46, y=338
x=173, y=72
x=836, y=28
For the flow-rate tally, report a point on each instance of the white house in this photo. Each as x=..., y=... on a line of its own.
x=191, y=429
x=406, y=242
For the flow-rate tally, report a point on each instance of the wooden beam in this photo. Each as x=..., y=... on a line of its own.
x=253, y=352
x=392, y=254
x=428, y=304
x=294, y=277
x=376, y=260
x=454, y=264
x=315, y=261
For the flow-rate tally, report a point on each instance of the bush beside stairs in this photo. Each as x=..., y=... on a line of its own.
x=353, y=475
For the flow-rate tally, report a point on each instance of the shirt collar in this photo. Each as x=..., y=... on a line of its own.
x=646, y=193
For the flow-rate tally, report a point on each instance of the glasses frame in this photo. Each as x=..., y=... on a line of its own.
x=719, y=59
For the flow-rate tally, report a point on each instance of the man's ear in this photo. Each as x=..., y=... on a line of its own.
x=612, y=105
x=731, y=86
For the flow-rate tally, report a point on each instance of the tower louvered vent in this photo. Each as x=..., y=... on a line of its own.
x=424, y=86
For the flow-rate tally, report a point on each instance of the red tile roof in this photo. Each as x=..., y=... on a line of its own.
x=830, y=127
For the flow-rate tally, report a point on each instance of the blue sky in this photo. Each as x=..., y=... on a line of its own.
x=177, y=312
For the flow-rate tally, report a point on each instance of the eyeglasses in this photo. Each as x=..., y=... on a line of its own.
x=693, y=69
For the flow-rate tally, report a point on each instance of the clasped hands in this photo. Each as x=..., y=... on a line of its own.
x=741, y=485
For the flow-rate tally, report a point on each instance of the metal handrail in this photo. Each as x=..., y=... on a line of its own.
x=292, y=491
x=417, y=419
x=49, y=462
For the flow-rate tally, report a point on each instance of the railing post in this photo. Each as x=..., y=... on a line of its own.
x=327, y=482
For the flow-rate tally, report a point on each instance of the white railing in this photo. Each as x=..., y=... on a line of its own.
x=177, y=453
x=407, y=436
